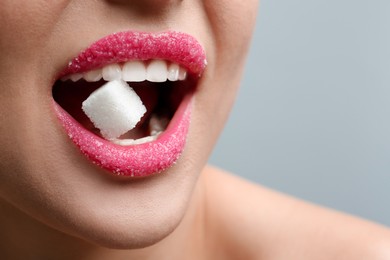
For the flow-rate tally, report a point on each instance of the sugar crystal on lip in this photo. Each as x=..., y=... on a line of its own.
x=114, y=108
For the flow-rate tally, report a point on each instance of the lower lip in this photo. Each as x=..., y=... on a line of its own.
x=138, y=160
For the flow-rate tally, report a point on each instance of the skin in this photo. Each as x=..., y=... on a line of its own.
x=55, y=204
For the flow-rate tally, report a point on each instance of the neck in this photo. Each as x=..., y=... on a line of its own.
x=23, y=237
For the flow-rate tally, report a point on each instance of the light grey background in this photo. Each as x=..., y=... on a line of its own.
x=312, y=117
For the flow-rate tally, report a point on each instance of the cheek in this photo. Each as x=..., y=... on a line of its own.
x=24, y=22
x=25, y=27
x=231, y=23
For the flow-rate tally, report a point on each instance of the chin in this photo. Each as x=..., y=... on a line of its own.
x=116, y=213
x=129, y=230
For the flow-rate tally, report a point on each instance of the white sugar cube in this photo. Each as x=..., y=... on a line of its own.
x=114, y=108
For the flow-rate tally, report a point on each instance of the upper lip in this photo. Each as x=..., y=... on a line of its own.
x=119, y=47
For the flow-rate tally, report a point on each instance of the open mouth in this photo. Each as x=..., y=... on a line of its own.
x=159, y=72
x=161, y=86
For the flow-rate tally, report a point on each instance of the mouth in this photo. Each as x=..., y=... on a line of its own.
x=162, y=70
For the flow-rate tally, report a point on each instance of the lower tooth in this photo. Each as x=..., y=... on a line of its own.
x=128, y=142
x=157, y=124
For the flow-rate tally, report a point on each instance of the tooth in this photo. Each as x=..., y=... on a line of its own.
x=112, y=72
x=157, y=71
x=75, y=77
x=145, y=139
x=182, y=74
x=173, y=72
x=134, y=71
x=93, y=75
x=157, y=125
x=65, y=78
x=155, y=133
x=127, y=142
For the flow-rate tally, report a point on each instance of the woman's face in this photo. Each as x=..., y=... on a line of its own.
x=56, y=179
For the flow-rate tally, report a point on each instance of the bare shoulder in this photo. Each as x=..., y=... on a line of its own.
x=253, y=222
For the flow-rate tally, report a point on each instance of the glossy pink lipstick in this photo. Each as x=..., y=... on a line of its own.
x=149, y=158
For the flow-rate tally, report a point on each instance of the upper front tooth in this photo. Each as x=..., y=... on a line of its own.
x=157, y=71
x=173, y=72
x=93, y=75
x=112, y=72
x=134, y=71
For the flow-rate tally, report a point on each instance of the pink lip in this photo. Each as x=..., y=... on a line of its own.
x=144, y=159
x=123, y=46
